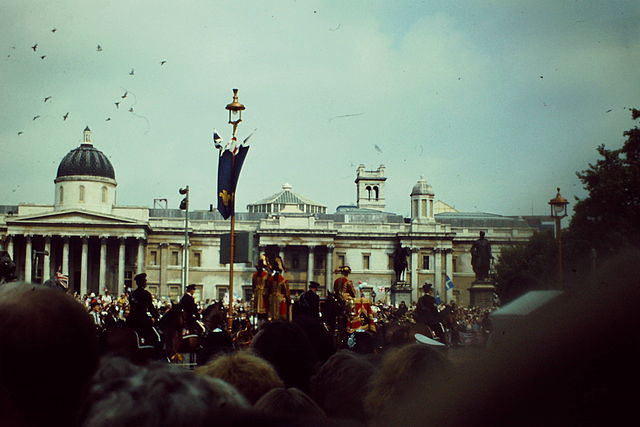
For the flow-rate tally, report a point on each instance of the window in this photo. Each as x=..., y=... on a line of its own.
x=424, y=208
x=425, y=262
x=341, y=260
x=175, y=258
x=390, y=263
x=454, y=264
x=197, y=259
x=295, y=262
x=365, y=261
x=174, y=293
x=153, y=257
x=61, y=194
x=319, y=261
x=105, y=194
x=128, y=283
x=81, y=194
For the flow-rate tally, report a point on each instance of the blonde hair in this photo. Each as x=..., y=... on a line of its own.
x=250, y=374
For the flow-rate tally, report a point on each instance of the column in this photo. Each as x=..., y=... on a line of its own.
x=103, y=263
x=120, y=280
x=9, y=246
x=310, y=266
x=437, y=267
x=140, y=260
x=448, y=268
x=46, y=267
x=414, y=274
x=329, y=264
x=28, y=257
x=65, y=256
x=84, y=266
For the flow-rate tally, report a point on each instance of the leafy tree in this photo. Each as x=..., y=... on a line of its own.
x=604, y=223
x=526, y=267
x=608, y=219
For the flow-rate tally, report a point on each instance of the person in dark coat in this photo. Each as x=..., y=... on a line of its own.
x=188, y=305
x=142, y=313
x=309, y=302
x=427, y=312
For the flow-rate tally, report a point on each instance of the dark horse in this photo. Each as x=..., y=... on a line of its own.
x=178, y=337
x=123, y=341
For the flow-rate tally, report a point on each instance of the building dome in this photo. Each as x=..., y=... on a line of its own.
x=422, y=188
x=86, y=160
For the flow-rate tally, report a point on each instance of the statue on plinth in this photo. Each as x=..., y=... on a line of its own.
x=481, y=258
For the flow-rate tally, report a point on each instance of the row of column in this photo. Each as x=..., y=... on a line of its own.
x=84, y=259
x=437, y=267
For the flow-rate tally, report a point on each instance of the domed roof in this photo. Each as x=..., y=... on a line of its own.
x=86, y=160
x=422, y=188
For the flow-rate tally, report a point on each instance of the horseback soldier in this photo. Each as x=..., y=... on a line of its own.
x=343, y=286
x=190, y=309
x=427, y=312
x=143, y=314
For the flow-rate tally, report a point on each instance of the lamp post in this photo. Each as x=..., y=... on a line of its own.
x=558, y=211
x=235, y=117
x=184, y=205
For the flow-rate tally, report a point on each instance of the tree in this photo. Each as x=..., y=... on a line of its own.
x=526, y=267
x=608, y=219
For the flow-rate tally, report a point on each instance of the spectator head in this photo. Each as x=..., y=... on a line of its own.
x=340, y=384
x=289, y=403
x=403, y=372
x=48, y=354
x=158, y=395
x=288, y=349
x=249, y=374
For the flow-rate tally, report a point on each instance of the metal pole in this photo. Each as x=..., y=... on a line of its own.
x=232, y=243
x=185, y=256
x=559, y=240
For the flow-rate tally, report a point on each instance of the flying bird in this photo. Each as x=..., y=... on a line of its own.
x=54, y=30
x=125, y=95
x=107, y=119
x=43, y=56
x=35, y=117
x=99, y=48
x=47, y=98
x=608, y=111
x=131, y=110
x=163, y=62
x=131, y=72
x=20, y=133
x=378, y=149
x=65, y=116
x=117, y=104
x=34, y=47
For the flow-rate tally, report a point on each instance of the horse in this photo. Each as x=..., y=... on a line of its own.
x=178, y=337
x=124, y=341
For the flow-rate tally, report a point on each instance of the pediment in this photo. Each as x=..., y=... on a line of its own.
x=72, y=217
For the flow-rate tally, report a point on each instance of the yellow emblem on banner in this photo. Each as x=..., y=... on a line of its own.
x=226, y=197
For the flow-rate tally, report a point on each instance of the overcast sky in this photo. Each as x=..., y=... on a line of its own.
x=495, y=103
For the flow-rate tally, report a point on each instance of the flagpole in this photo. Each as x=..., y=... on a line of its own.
x=232, y=245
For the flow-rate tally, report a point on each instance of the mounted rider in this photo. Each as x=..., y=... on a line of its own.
x=427, y=312
x=143, y=314
x=260, y=289
x=190, y=309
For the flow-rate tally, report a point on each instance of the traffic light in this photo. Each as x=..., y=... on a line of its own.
x=184, y=204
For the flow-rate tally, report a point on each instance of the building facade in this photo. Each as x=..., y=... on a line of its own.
x=101, y=245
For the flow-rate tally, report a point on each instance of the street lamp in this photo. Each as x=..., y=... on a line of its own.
x=235, y=112
x=558, y=211
x=184, y=205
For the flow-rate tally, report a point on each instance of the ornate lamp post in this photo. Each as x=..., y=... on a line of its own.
x=558, y=211
x=235, y=109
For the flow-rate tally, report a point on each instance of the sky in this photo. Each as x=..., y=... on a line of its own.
x=495, y=103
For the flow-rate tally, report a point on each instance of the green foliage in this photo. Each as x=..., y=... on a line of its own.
x=609, y=218
x=527, y=266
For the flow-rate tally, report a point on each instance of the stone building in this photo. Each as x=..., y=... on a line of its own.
x=101, y=245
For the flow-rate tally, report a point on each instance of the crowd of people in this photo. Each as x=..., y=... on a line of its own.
x=292, y=373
